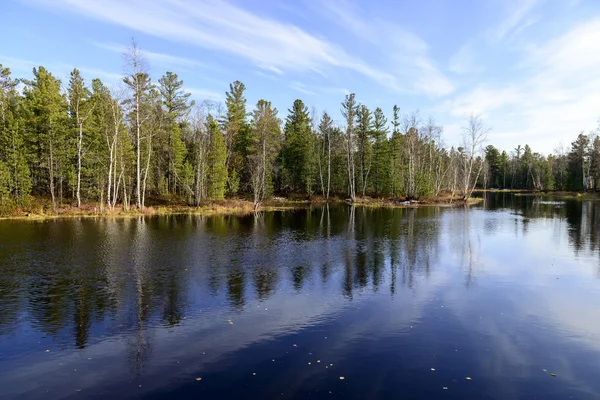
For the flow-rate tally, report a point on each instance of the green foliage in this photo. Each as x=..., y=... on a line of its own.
x=110, y=146
x=298, y=149
x=577, y=160
x=45, y=115
x=381, y=154
x=237, y=136
x=217, y=156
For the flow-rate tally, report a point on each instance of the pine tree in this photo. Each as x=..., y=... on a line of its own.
x=46, y=111
x=349, y=113
x=364, y=134
x=177, y=105
x=265, y=143
x=381, y=152
x=17, y=183
x=577, y=160
x=236, y=136
x=595, y=162
x=395, y=143
x=217, y=158
x=297, y=148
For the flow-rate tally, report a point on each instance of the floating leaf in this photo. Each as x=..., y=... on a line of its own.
x=198, y=379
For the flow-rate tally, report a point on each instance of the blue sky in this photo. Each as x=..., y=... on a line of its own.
x=530, y=67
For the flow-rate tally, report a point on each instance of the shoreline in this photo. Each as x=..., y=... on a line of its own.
x=223, y=207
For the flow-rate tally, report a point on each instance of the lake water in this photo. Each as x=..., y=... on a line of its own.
x=429, y=303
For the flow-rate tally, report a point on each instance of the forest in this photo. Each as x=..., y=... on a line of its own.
x=134, y=144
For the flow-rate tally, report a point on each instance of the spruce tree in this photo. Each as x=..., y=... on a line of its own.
x=45, y=110
x=297, y=150
x=217, y=157
x=176, y=104
x=381, y=152
x=236, y=136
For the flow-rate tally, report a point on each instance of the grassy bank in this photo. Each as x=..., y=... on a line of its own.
x=41, y=208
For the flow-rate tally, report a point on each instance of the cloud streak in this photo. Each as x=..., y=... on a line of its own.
x=264, y=42
x=555, y=94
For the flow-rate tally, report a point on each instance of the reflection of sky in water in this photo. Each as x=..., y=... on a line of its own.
x=498, y=293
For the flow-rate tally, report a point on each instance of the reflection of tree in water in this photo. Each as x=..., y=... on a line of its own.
x=265, y=273
x=414, y=242
x=583, y=221
x=129, y=274
x=461, y=232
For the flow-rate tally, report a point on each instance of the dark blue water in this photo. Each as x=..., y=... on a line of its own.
x=448, y=303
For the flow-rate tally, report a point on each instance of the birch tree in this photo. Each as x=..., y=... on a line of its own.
x=139, y=84
x=349, y=113
x=474, y=136
x=80, y=109
x=264, y=147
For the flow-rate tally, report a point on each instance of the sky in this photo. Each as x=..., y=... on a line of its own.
x=531, y=68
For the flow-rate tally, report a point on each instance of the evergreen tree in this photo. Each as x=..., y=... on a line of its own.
x=265, y=143
x=349, y=112
x=577, y=161
x=173, y=151
x=45, y=110
x=395, y=143
x=297, y=149
x=381, y=152
x=237, y=136
x=364, y=138
x=492, y=159
x=595, y=162
x=217, y=158
x=17, y=181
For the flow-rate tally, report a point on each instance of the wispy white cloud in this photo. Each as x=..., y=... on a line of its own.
x=555, y=94
x=60, y=69
x=403, y=53
x=204, y=94
x=517, y=18
x=267, y=43
x=300, y=87
x=465, y=61
x=159, y=58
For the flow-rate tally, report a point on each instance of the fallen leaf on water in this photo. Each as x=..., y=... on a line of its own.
x=198, y=379
x=553, y=374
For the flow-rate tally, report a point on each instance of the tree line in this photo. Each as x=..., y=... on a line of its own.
x=120, y=146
